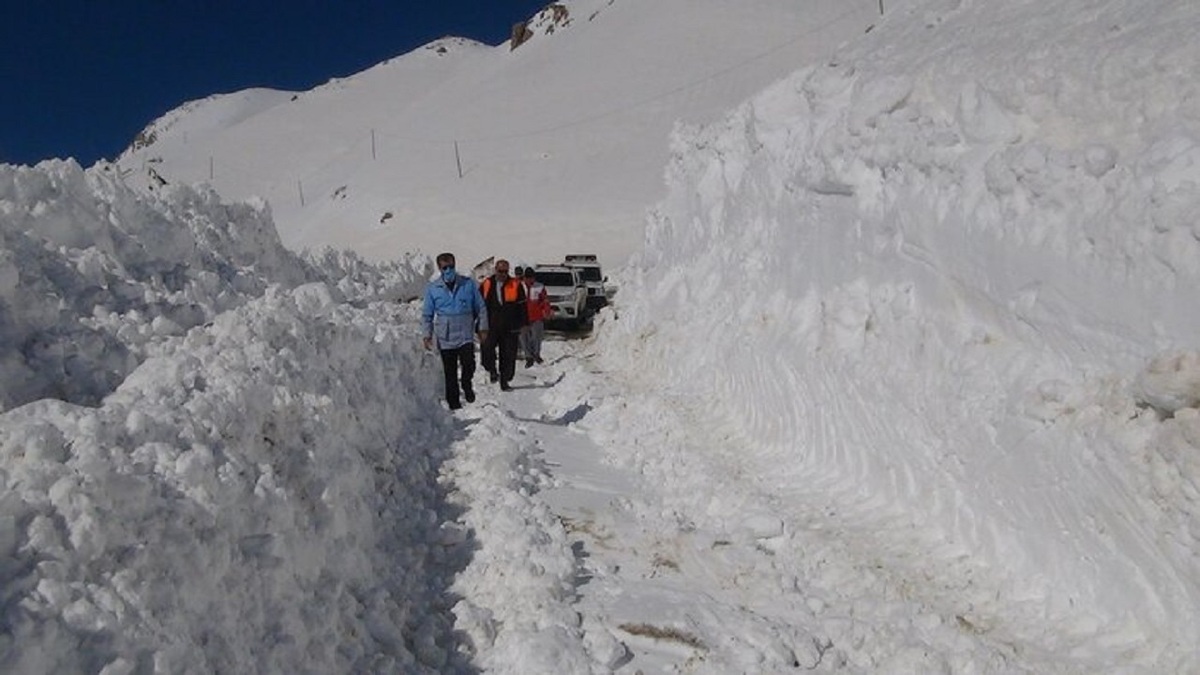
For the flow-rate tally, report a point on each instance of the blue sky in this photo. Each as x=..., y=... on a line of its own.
x=80, y=78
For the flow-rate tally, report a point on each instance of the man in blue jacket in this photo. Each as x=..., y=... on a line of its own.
x=454, y=314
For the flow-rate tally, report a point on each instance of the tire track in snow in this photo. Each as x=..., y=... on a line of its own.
x=686, y=562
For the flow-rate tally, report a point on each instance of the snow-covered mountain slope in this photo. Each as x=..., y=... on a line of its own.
x=561, y=142
x=942, y=291
x=209, y=115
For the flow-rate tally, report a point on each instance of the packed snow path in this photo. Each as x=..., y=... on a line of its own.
x=598, y=561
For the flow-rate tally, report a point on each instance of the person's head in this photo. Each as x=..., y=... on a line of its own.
x=529, y=276
x=502, y=268
x=445, y=263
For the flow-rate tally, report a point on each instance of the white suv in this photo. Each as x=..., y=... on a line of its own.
x=589, y=268
x=566, y=290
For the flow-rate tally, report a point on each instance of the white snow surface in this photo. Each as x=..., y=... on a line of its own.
x=901, y=377
x=943, y=301
x=560, y=143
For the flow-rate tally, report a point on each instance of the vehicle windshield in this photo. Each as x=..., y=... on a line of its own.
x=590, y=273
x=555, y=278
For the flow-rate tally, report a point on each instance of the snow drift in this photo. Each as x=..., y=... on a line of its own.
x=214, y=458
x=942, y=287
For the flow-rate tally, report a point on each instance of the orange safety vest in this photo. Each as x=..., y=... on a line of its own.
x=512, y=290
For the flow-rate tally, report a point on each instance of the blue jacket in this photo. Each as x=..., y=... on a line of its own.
x=452, y=317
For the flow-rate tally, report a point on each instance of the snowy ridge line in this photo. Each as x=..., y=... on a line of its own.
x=813, y=30
x=944, y=279
x=517, y=592
x=258, y=460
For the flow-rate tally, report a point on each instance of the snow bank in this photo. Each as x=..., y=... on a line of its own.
x=920, y=281
x=241, y=471
x=519, y=588
x=240, y=503
x=93, y=277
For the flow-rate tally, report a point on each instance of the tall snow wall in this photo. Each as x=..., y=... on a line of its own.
x=936, y=284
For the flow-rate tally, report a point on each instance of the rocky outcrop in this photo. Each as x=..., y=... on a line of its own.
x=553, y=16
x=520, y=34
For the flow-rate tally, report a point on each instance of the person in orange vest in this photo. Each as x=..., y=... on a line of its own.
x=539, y=309
x=504, y=297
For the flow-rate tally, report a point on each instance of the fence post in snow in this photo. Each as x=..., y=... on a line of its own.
x=457, y=159
x=372, y=144
x=300, y=187
x=880, y=7
x=210, y=167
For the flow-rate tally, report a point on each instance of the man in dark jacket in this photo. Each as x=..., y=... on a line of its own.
x=505, y=298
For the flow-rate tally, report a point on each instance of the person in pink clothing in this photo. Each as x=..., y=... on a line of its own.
x=539, y=308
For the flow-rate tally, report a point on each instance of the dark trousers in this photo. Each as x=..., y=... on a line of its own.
x=504, y=342
x=451, y=360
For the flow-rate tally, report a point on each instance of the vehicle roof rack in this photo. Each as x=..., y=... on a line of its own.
x=581, y=257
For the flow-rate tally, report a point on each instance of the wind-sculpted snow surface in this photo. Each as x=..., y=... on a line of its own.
x=253, y=485
x=942, y=291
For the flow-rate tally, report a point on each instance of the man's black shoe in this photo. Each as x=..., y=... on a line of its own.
x=504, y=387
x=528, y=362
x=538, y=359
x=454, y=405
x=469, y=394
